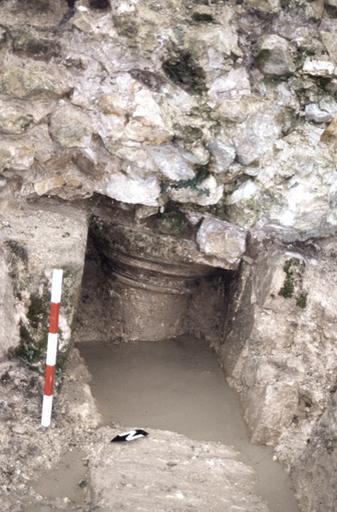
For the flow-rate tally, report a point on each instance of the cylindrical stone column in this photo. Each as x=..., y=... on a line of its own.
x=150, y=299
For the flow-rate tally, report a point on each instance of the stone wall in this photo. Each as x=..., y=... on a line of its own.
x=34, y=239
x=225, y=110
x=279, y=352
x=224, y=105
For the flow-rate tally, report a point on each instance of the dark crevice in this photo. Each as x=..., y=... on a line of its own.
x=99, y=4
x=183, y=70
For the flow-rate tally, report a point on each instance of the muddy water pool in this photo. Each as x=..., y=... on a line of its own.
x=177, y=385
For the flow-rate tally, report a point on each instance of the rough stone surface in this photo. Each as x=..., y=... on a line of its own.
x=221, y=240
x=167, y=238
x=314, y=113
x=188, y=475
x=279, y=352
x=117, y=101
x=318, y=67
x=28, y=451
x=318, y=463
x=35, y=239
x=217, y=108
x=9, y=334
x=134, y=190
x=274, y=56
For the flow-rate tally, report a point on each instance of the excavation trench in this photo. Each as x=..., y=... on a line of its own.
x=136, y=330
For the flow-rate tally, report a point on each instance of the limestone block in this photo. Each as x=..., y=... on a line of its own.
x=171, y=162
x=51, y=183
x=14, y=120
x=315, y=67
x=222, y=39
x=329, y=39
x=274, y=57
x=229, y=483
x=297, y=200
x=248, y=190
x=237, y=110
x=147, y=113
x=133, y=189
x=330, y=133
x=265, y=5
x=223, y=153
x=254, y=139
x=271, y=410
x=36, y=239
x=315, y=114
x=21, y=79
x=21, y=152
x=16, y=155
x=316, y=469
x=222, y=240
x=70, y=127
x=44, y=14
x=333, y=3
x=232, y=85
x=9, y=332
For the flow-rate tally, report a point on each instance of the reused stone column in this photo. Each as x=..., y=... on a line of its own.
x=150, y=299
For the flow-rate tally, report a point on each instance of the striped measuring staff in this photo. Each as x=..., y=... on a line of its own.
x=48, y=391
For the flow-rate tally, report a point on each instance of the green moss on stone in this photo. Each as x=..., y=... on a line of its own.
x=37, y=310
x=194, y=183
x=301, y=300
x=18, y=250
x=184, y=71
x=288, y=288
x=27, y=351
x=290, y=267
x=292, y=286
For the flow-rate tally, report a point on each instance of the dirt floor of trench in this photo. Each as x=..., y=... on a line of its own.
x=178, y=386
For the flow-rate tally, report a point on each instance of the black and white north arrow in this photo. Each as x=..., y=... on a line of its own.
x=132, y=435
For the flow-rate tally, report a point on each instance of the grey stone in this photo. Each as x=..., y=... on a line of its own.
x=171, y=162
x=315, y=114
x=173, y=459
x=265, y=5
x=283, y=386
x=20, y=80
x=222, y=240
x=254, y=138
x=318, y=463
x=70, y=127
x=14, y=119
x=328, y=39
x=9, y=331
x=333, y=3
x=36, y=240
x=315, y=67
x=274, y=56
x=134, y=190
x=223, y=154
x=235, y=84
x=237, y=110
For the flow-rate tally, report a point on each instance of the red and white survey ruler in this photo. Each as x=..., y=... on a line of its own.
x=48, y=391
